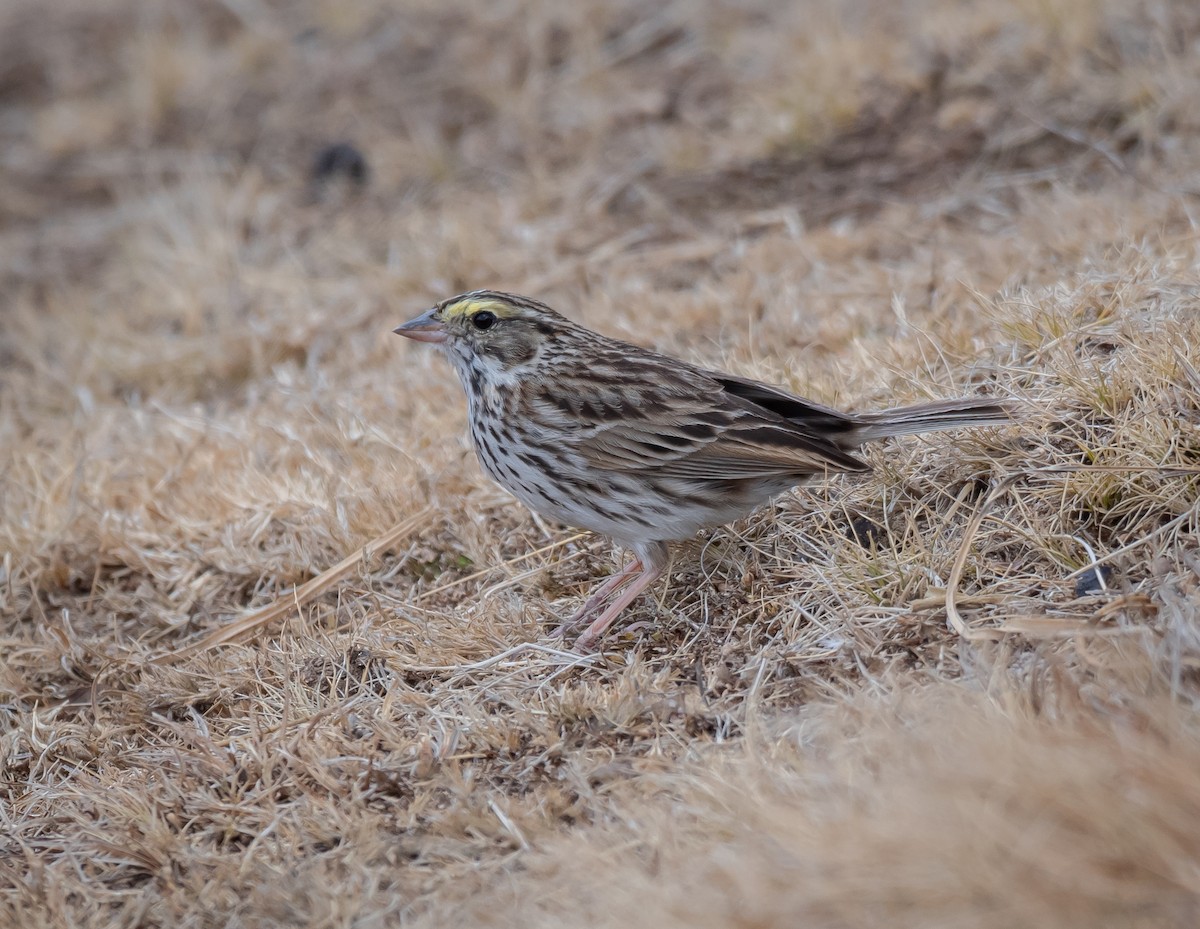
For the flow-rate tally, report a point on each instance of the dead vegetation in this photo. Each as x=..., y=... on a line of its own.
x=959, y=691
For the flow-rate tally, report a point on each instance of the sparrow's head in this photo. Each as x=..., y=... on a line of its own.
x=487, y=332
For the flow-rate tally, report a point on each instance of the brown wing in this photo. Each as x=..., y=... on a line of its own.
x=820, y=420
x=708, y=431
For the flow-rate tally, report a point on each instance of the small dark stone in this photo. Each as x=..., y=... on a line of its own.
x=866, y=532
x=340, y=159
x=1094, y=580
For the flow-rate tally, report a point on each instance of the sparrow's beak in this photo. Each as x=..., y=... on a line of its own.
x=425, y=328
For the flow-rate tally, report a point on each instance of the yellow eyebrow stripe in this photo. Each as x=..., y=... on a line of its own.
x=471, y=307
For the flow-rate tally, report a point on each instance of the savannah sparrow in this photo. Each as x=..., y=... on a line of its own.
x=637, y=446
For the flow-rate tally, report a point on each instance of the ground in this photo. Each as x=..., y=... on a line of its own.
x=959, y=691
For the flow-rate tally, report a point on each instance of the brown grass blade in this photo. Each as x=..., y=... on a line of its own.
x=306, y=592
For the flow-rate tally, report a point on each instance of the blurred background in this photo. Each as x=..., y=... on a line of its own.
x=248, y=182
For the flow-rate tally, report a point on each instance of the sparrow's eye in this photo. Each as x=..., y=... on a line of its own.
x=484, y=319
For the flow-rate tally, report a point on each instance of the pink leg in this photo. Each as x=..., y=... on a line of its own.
x=600, y=594
x=595, y=630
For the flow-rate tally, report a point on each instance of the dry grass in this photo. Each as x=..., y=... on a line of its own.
x=891, y=700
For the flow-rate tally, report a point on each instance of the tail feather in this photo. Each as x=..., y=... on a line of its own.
x=925, y=417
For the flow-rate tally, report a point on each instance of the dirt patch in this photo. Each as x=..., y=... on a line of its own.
x=905, y=144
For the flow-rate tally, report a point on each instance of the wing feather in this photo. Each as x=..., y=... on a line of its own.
x=638, y=411
x=712, y=441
